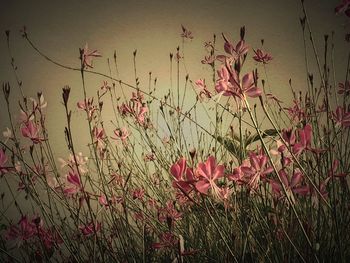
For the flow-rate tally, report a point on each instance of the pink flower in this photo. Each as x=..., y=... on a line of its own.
x=74, y=183
x=183, y=175
x=203, y=91
x=124, y=109
x=103, y=200
x=289, y=136
x=138, y=193
x=99, y=136
x=70, y=162
x=296, y=112
x=88, y=107
x=140, y=110
x=149, y=157
x=344, y=88
x=87, y=55
x=7, y=134
x=121, y=134
x=27, y=228
x=262, y=57
x=292, y=184
x=249, y=87
x=90, y=229
x=305, y=136
x=235, y=51
x=257, y=170
x=343, y=7
x=341, y=117
x=41, y=104
x=227, y=82
x=237, y=175
x=137, y=96
x=31, y=130
x=186, y=33
x=167, y=240
x=208, y=173
x=332, y=171
x=169, y=214
x=208, y=60
x=3, y=161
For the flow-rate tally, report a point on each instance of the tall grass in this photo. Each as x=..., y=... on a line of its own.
x=234, y=175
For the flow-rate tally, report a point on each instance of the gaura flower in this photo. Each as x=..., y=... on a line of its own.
x=343, y=7
x=341, y=117
x=87, y=55
x=262, y=57
x=183, y=175
x=121, y=134
x=208, y=173
x=90, y=229
x=3, y=161
x=186, y=33
x=257, y=170
x=31, y=130
x=202, y=87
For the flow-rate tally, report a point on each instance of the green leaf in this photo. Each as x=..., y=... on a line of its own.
x=255, y=137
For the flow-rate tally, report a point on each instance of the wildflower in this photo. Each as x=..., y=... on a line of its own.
x=208, y=60
x=105, y=87
x=3, y=161
x=87, y=55
x=41, y=104
x=224, y=195
x=202, y=87
x=341, y=117
x=343, y=7
x=167, y=240
x=124, y=109
x=26, y=229
x=138, y=193
x=296, y=112
x=235, y=51
x=74, y=183
x=332, y=171
x=88, y=107
x=121, y=134
x=90, y=229
x=257, y=170
x=168, y=213
x=262, y=57
x=183, y=175
x=137, y=96
x=305, y=136
x=103, y=200
x=228, y=82
x=25, y=116
x=31, y=130
x=208, y=173
x=292, y=184
x=81, y=162
x=237, y=175
x=186, y=33
x=140, y=110
x=99, y=136
x=249, y=87
x=344, y=88
x=7, y=134
x=149, y=157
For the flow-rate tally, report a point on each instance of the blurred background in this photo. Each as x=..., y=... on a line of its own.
x=60, y=28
